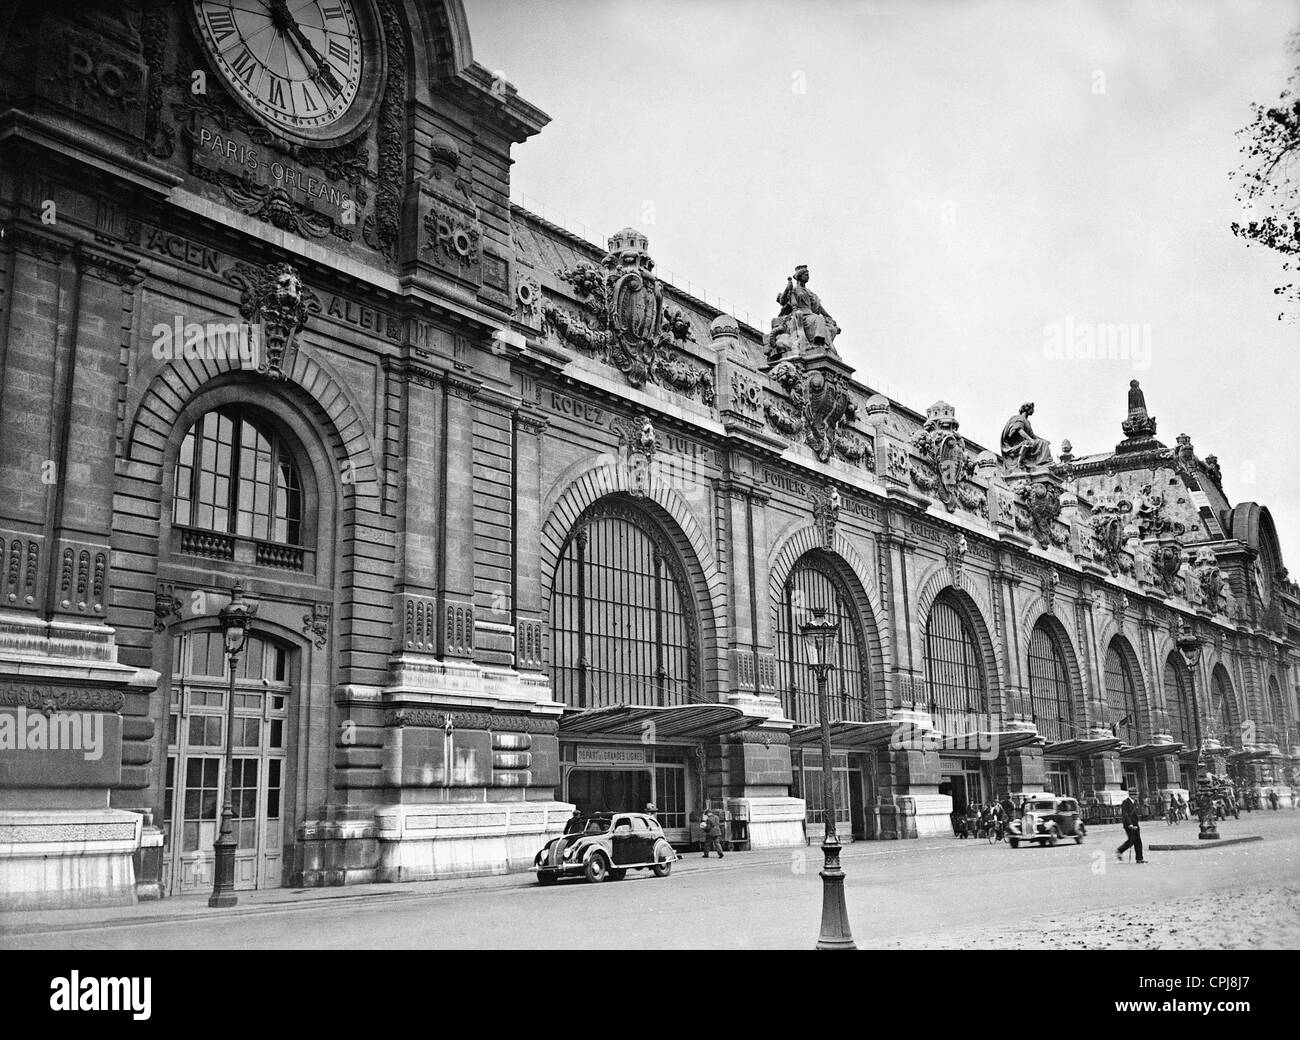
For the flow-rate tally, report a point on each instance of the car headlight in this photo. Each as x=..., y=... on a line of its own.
x=571, y=851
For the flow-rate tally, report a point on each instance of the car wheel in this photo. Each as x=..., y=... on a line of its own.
x=597, y=868
x=1014, y=842
x=617, y=873
x=1053, y=836
x=663, y=860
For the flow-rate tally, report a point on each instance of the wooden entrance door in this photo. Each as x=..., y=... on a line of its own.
x=195, y=776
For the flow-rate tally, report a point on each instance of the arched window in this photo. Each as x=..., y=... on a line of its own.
x=235, y=476
x=1221, y=707
x=954, y=669
x=623, y=628
x=1177, y=706
x=1276, y=712
x=813, y=583
x=1050, y=700
x=1121, y=696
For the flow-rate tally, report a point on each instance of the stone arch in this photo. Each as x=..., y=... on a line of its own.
x=852, y=571
x=976, y=600
x=602, y=478
x=309, y=384
x=1220, y=675
x=1132, y=663
x=1185, y=689
x=1073, y=669
x=939, y=583
x=312, y=404
x=444, y=30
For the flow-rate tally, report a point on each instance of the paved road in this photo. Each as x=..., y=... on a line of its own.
x=900, y=894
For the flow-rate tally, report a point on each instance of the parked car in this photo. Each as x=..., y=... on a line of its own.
x=606, y=845
x=1047, y=820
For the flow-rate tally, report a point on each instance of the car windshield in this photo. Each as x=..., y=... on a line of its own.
x=595, y=825
x=1042, y=807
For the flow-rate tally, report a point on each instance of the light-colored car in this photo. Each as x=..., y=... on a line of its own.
x=1047, y=820
x=606, y=845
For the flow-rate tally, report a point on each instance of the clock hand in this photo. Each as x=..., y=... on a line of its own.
x=285, y=22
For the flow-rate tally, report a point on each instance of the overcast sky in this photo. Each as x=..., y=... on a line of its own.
x=967, y=181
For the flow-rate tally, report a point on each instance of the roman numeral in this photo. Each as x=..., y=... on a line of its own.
x=332, y=12
x=310, y=102
x=244, y=64
x=275, y=92
x=340, y=50
x=222, y=25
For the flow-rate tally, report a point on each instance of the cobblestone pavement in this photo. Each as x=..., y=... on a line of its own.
x=1261, y=919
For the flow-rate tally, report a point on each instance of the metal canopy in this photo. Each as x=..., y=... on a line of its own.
x=850, y=736
x=1145, y=751
x=1005, y=741
x=1081, y=748
x=677, y=720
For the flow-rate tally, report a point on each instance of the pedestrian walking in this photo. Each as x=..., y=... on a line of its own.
x=1132, y=828
x=1272, y=799
x=712, y=833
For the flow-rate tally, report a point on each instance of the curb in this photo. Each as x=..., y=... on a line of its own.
x=1200, y=845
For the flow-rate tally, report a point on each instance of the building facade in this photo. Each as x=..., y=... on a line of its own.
x=526, y=526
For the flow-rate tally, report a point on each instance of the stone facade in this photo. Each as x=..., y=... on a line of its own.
x=462, y=391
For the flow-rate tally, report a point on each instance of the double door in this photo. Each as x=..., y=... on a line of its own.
x=195, y=770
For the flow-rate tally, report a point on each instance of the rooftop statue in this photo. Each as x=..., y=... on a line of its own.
x=803, y=320
x=1020, y=445
x=1138, y=423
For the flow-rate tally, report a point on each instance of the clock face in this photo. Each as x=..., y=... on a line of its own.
x=302, y=66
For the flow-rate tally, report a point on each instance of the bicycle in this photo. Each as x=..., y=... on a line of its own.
x=995, y=832
x=1172, y=817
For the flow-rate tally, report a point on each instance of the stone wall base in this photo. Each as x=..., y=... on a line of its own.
x=923, y=815
x=426, y=842
x=52, y=859
x=339, y=847
x=773, y=822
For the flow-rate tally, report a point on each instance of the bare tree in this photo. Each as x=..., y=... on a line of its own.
x=1268, y=181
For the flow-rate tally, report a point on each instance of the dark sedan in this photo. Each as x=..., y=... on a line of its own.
x=606, y=845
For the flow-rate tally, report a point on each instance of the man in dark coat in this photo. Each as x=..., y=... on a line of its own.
x=712, y=833
x=1132, y=828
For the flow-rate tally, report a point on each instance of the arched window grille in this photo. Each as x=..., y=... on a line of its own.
x=1121, y=697
x=1221, y=707
x=1177, y=707
x=1050, y=699
x=813, y=582
x=235, y=476
x=623, y=624
x=1276, y=710
x=954, y=669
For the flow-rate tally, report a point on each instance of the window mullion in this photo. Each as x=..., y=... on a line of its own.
x=237, y=423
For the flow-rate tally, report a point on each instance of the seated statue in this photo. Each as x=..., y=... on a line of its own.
x=1019, y=443
x=802, y=317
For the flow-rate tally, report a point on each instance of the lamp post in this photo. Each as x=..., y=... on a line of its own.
x=819, y=640
x=1190, y=646
x=236, y=619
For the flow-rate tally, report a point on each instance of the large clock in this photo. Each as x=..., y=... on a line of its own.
x=309, y=69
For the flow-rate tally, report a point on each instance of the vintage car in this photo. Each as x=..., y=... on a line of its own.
x=1047, y=820
x=606, y=845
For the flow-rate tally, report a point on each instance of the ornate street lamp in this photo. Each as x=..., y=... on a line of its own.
x=819, y=635
x=1190, y=646
x=236, y=620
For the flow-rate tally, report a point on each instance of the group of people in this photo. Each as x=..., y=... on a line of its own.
x=979, y=820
